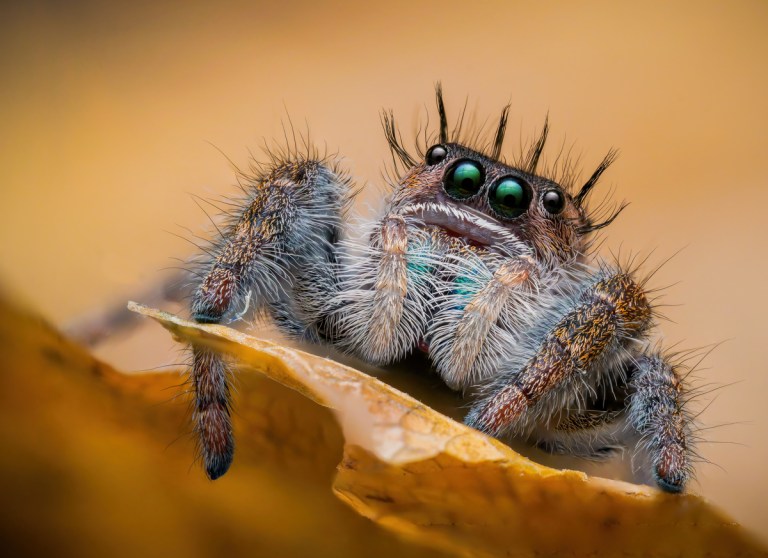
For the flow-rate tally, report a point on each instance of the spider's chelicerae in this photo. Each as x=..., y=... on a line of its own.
x=485, y=266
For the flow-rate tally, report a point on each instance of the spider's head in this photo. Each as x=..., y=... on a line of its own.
x=474, y=196
x=488, y=204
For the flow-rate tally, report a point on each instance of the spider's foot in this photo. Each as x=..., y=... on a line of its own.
x=212, y=413
x=670, y=473
x=217, y=442
x=218, y=464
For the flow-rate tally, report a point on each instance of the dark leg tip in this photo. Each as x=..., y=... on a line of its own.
x=217, y=466
x=669, y=487
x=672, y=486
x=203, y=318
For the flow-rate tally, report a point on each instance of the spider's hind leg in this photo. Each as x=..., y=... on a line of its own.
x=283, y=240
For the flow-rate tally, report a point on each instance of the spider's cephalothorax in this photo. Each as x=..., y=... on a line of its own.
x=483, y=265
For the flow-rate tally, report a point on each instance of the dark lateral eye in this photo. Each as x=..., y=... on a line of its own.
x=436, y=154
x=464, y=180
x=554, y=201
x=510, y=197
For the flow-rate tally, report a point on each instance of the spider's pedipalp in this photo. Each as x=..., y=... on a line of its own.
x=484, y=306
x=382, y=304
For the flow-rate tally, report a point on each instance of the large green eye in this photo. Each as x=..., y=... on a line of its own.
x=510, y=197
x=464, y=180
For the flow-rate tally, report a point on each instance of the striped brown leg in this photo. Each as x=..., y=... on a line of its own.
x=289, y=224
x=582, y=345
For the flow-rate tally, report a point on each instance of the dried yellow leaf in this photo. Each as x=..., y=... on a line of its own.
x=442, y=484
x=94, y=462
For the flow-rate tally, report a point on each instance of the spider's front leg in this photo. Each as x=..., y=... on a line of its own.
x=285, y=235
x=657, y=412
x=647, y=413
x=576, y=350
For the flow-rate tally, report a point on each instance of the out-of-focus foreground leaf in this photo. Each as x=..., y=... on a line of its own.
x=98, y=463
x=94, y=462
x=436, y=482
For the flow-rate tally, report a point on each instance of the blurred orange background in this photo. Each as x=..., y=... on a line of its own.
x=110, y=117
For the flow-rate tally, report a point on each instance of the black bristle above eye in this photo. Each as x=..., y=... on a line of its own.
x=609, y=158
x=591, y=227
x=498, y=141
x=441, y=112
x=534, y=153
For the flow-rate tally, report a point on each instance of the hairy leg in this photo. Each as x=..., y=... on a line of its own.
x=291, y=219
x=657, y=413
x=647, y=414
x=577, y=349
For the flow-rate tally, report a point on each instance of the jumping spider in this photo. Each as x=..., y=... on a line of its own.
x=484, y=266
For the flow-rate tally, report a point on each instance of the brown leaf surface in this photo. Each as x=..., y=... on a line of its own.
x=436, y=482
x=97, y=463
x=94, y=462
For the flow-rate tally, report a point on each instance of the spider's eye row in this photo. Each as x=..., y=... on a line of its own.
x=436, y=154
x=553, y=201
x=464, y=180
x=510, y=197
